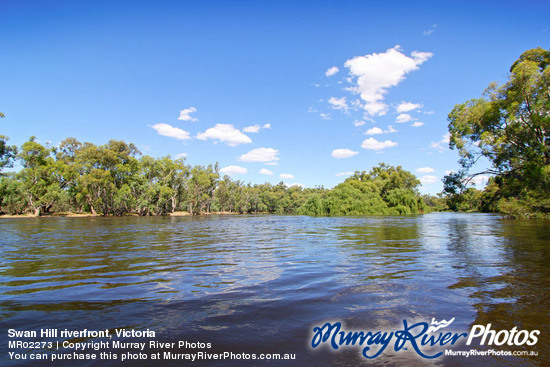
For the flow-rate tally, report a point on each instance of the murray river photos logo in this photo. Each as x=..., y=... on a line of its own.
x=422, y=337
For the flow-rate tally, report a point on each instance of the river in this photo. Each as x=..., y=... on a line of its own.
x=260, y=284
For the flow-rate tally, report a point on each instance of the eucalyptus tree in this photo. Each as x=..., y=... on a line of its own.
x=510, y=127
x=108, y=176
x=39, y=177
x=200, y=188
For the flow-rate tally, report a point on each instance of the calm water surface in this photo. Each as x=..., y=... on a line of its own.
x=259, y=284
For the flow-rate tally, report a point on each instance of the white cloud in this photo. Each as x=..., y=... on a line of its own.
x=430, y=31
x=252, y=129
x=256, y=128
x=185, y=114
x=378, y=131
x=331, y=71
x=425, y=170
x=264, y=171
x=407, y=106
x=403, y=117
x=349, y=173
x=377, y=72
x=260, y=155
x=271, y=164
x=233, y=170
x=171, y=131
x=442, y=144
x=376, y=108
x=374, y=131
x=225, y=133
x=338, y=103
x=359, y=123
x=374, y=144
x=324, y=116
x=181, y=155
x=428, y=179
x=417, y=124
x=343, y=153
x=286, y=176
x=312, y=110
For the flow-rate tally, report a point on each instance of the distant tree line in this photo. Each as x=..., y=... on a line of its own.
x=114, y=179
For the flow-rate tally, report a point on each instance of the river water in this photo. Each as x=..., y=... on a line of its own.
x=260, y=284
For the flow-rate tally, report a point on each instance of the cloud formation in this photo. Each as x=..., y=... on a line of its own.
x=403, y=117
x=425, y=170
x=260, y=155
x=256, y=128
x=185, y=114
x=428, y=179
x=331, y=71
x=377, y=72
x=430, y=31
x=225, y=133
x=374, y=131
x=442, y=144
x=171, y=131
x=338, y=103
x=417, y=124
x=374, y=144
x=233, y=170
x=252, y=129
x=407, y=106
x=264, y=171
x=377, y=131
x=286, y=176
x=343, y=153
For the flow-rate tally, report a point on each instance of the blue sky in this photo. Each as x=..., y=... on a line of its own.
x=300, y=92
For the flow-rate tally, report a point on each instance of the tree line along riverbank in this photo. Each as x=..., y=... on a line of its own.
x=114, y=179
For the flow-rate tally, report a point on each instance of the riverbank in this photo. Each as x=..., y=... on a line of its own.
x=85, y=215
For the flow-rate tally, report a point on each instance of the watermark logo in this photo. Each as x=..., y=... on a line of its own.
x=502, y=337
x=420, y=337
x=439, y=325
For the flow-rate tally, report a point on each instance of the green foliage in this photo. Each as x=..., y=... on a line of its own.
x=12, y=198
x=39, y=177
x=112, y=179
x=435, y=203
x=7, y=152
x=383, y=190
x=509, y=126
